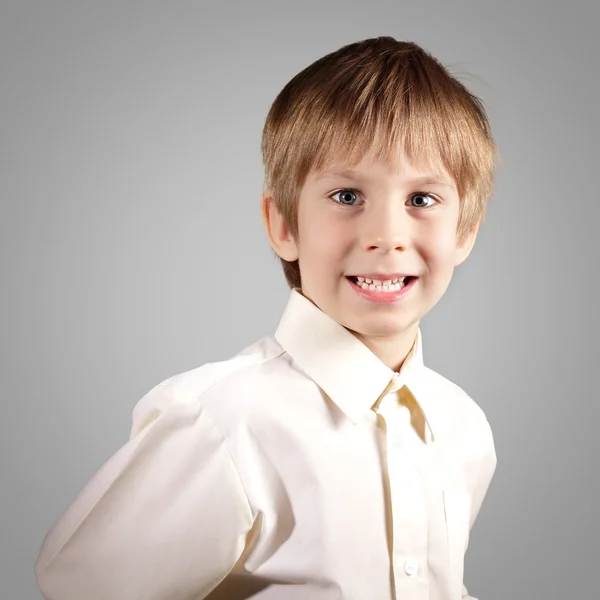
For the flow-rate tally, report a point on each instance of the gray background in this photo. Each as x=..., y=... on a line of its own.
x=132, y=246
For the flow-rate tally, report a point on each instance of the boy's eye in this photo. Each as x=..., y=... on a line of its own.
x=421, y=200
x=347, y=197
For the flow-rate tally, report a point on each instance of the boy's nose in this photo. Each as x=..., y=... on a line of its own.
x=385, y=229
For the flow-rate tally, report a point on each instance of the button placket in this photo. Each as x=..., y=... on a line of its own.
x=409, y=512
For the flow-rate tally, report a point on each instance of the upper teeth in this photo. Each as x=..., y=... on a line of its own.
x=389, y=285
x=379, y=282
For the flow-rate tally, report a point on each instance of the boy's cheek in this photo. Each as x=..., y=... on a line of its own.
x=438, y=247
x=326, y=244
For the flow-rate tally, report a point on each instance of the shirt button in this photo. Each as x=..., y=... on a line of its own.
x=397, y=441
x=390, y=399
x=404, y=416
x=410, y=567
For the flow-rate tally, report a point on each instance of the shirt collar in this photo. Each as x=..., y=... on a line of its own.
x=342, y=366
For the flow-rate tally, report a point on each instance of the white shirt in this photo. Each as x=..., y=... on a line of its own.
x=301, y=468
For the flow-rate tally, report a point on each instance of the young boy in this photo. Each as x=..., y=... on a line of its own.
x=325, y=461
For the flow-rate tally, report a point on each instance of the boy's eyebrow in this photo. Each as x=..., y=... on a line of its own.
x=431, y=180
x=350, y=174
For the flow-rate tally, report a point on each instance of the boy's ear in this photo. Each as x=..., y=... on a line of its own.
x=279, y=235
x=464, y=246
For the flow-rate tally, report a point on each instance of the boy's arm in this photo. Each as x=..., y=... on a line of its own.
x=165, y=517
x=486, y=472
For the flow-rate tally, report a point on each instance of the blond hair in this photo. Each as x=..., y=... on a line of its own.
x=379, y=96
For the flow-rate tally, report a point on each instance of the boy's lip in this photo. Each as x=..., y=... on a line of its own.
x=388, y=296
x=382, y=276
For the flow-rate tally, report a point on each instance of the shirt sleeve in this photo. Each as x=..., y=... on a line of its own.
x=165, y=517
x=486, y=473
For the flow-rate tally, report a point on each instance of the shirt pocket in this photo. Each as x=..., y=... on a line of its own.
x=457, y=510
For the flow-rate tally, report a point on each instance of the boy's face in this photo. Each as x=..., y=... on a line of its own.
x=375, y=220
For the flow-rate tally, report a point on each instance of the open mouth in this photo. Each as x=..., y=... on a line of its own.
x=389, y=285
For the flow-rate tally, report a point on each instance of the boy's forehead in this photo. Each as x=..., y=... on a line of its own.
x=401, y=164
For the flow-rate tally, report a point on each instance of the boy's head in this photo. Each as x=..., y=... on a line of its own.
x=422, y=159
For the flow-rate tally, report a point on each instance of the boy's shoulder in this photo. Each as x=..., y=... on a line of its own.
x=461, y=413
x=460, y=398
x=237, y=373
x=235, y=384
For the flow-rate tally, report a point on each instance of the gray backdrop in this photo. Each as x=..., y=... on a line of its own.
x=133, y=249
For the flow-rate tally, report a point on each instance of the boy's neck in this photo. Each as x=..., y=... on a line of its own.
x=392, y=352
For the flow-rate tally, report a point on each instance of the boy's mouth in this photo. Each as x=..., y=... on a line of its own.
x=392, y=284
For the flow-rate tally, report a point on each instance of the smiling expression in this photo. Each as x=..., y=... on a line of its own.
x=376, y=222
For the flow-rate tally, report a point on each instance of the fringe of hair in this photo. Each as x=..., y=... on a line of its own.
x=381, y=96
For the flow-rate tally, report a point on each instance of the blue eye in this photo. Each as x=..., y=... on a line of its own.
x=422, y=197
x=350, y=197
x=347, y=197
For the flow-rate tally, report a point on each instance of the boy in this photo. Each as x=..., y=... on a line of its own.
x=325, y=461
